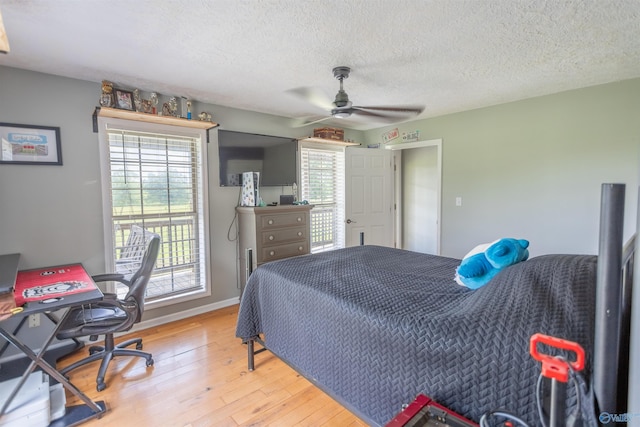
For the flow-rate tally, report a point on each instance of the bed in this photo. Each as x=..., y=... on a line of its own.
x=374, y=326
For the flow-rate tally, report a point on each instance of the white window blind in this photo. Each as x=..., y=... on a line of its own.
x=157, y=181
x=322, y=185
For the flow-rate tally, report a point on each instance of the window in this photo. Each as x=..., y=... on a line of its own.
x=322, y=185
x=154, y=177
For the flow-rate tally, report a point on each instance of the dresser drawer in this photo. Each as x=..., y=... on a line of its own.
x=288, y=219
x=277, y=237
x=272, y=233
x=283, y=251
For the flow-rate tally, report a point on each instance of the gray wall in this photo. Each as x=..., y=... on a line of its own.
x=53, y=214
x=533, y=169
x=529, y=169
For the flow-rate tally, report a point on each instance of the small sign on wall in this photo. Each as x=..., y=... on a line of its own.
x=411, y=136
x=390, y=136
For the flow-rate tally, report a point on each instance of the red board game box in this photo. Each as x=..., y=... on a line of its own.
x=425, y=412
x=51, y=284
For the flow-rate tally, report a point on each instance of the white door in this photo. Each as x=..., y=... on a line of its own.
x=369, y=197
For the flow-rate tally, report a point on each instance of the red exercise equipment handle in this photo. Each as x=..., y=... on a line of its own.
x=552, y=366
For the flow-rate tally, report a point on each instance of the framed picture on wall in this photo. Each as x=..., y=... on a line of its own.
x=30, y=144
x=124, y=99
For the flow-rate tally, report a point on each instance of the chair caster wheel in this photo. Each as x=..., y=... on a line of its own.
x=149, y=362
x=101, y=386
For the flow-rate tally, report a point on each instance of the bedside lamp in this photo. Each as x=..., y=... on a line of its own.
x=4, y=42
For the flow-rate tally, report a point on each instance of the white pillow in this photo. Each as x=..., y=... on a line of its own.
x=477, y=250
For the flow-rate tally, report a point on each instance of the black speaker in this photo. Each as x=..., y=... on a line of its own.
x=286, y=199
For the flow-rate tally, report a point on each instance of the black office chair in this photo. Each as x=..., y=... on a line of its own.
x=112, y=315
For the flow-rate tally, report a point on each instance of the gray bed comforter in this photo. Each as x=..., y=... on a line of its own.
x=375, y=326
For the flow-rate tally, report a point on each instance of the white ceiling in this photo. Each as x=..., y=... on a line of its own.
x=448, y=55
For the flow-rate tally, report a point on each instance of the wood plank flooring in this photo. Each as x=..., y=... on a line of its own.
x=200, y=378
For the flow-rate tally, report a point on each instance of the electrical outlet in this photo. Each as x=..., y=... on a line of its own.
x=458, y=201
x=34, y=320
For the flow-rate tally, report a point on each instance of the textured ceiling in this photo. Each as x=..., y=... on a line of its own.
x=448, y=55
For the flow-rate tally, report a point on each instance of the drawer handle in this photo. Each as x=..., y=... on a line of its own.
x=270, y=222
x=299, y=219
x=271, y=237
x=299, y=233
x=272, y=253
x=300, y=248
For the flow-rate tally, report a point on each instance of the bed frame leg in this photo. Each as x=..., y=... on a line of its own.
x=250, y=355
x=251, y=351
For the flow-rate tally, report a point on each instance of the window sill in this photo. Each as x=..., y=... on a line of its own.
x=177, y=299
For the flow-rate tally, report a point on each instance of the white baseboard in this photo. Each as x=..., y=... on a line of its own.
x=157, y=321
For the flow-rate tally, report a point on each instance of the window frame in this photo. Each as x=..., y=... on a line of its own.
x=340, y=228
x=108, y=123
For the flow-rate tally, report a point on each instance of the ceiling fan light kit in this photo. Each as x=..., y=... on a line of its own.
x=342, y=108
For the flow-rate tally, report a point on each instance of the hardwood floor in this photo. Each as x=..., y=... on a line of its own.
x=200, y=378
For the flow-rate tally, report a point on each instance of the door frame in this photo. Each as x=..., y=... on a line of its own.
x=397, y=190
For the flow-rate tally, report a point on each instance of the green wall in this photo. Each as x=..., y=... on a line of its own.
x=533, y=169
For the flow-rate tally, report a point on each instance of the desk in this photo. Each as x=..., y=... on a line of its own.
x=74, y=414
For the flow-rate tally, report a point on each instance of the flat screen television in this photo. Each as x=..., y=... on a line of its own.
x=273, y=156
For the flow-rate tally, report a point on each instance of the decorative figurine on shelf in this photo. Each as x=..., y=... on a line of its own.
x=146, y=106
x=166, y=111
x=173, y=106
x=154, y=102
x=204, y=117
x=106, y=99
x=137, y=100
x=189, y=110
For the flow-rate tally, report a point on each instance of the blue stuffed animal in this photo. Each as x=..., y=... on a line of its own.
x=485, y=261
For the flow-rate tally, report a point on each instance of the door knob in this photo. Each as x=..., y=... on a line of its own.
x=350, y=221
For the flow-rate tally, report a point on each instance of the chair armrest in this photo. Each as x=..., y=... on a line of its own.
x=108, y=277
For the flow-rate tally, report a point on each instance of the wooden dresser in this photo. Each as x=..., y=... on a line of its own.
x=272, y=232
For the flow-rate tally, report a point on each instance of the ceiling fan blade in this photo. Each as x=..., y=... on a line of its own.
x=387, y=118
x=413, y=109
x=341, y=107
x=305, y=121
x=314, y=96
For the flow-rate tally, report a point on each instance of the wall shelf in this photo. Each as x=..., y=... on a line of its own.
x=328, y=141
x=149, y=118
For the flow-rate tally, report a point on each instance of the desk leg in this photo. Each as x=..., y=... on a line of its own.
x=15, y=332
x=37, y=360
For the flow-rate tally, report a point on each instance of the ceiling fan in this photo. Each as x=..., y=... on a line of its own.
x=342, y=107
